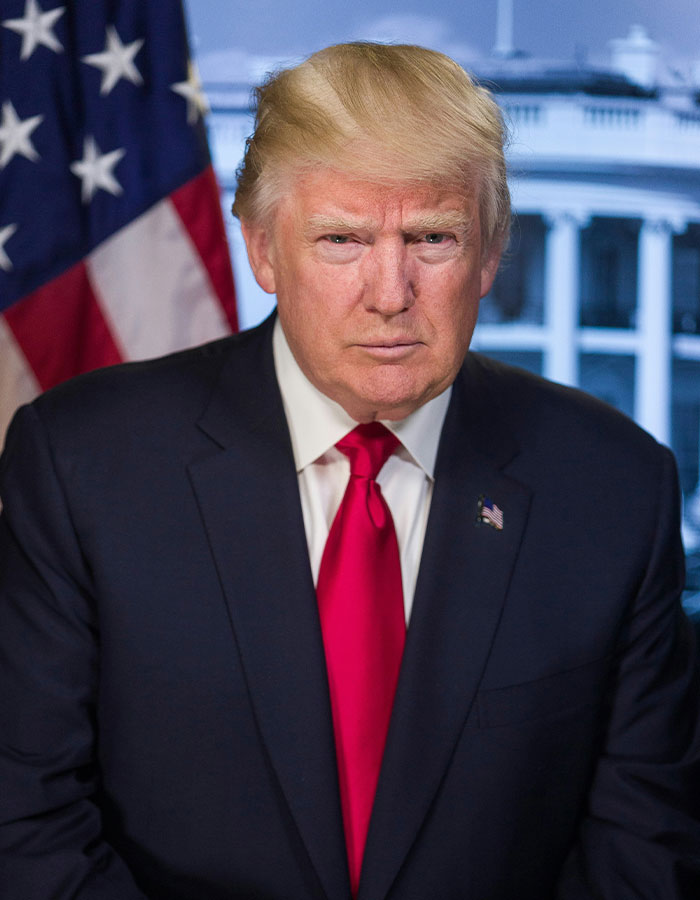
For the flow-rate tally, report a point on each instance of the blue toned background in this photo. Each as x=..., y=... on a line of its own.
x=601, y=284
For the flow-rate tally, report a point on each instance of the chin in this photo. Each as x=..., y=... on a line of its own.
x=384, y=391
x=384, y=404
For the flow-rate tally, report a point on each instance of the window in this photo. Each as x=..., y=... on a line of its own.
x=609, y=273
x=524, y=359
x=686, y=281
x=517, y=294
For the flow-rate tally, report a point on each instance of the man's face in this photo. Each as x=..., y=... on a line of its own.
x=377, y=287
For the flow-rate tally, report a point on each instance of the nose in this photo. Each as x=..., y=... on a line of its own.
x=389, y=285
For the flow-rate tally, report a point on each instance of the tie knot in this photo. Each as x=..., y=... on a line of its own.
x=368, y=447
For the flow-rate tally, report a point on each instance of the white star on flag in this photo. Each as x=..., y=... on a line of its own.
x=36, y=28
x=94, y=202
x=95, y=170
x=191, y=90
x=116, y=61
x=15, y=135
x=5, y=234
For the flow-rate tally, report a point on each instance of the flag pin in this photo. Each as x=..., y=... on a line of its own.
x=488, y=512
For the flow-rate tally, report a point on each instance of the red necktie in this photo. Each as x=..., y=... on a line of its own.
x=360, y=601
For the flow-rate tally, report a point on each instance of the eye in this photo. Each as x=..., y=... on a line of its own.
x=337, y=238
x=434, y=238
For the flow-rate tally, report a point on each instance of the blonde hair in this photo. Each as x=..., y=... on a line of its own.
x=386, y=113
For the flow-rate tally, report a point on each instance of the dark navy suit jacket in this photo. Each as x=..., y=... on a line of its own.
x=165, y=729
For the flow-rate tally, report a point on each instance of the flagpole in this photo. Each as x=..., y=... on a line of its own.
x=504, y=29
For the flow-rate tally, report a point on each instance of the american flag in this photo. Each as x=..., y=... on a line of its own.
x=489, y=513
x=112, y=244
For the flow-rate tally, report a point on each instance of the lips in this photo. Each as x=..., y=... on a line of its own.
x=390, y=342
x=390, y=349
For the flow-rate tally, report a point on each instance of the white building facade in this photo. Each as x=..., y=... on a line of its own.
x=600, y=287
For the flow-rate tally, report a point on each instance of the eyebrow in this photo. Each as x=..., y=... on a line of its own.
x=431, y=222
x=450, y=220
x=336, y=223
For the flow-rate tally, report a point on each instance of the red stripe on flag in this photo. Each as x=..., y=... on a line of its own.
x=198, y=205
x=61, y=330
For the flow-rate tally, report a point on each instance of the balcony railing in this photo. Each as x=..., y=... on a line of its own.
x=556, y=130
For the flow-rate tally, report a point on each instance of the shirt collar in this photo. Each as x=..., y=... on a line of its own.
x=317, y=423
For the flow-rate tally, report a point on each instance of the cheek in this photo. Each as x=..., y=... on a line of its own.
x=321, y=302
x=454, y=304
x=452, y=322
x=310, y=326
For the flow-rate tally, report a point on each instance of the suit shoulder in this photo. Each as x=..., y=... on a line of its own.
x=178, y=383
x=556, y=415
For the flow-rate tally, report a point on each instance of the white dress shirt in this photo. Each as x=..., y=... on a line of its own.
x=317, y=423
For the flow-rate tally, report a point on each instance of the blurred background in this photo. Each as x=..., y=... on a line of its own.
x=600, y=287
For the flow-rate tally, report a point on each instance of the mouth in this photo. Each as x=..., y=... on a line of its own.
x=392, y=349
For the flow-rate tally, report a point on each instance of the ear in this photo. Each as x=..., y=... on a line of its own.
x=489, y=267
x=258, y=244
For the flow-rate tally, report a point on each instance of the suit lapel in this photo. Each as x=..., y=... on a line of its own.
x=248, y=496
x=464, y=574
x=249, y=500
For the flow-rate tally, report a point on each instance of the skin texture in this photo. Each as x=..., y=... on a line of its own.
x=378, y=286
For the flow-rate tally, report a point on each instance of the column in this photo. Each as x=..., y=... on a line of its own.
x=652, y=400
x=561, y=301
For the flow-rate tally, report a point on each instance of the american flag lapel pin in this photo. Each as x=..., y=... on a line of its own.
x=488, y=512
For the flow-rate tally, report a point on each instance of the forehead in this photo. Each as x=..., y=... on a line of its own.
x=327, y=195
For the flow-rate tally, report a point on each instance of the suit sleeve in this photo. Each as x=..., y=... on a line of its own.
x=640, y=837
x=51, y=843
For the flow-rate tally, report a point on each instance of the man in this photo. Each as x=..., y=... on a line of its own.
x=197, y=701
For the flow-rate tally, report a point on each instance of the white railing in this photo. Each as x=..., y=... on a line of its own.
x=579, y=129
x=612, y=117
x=524, y=114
